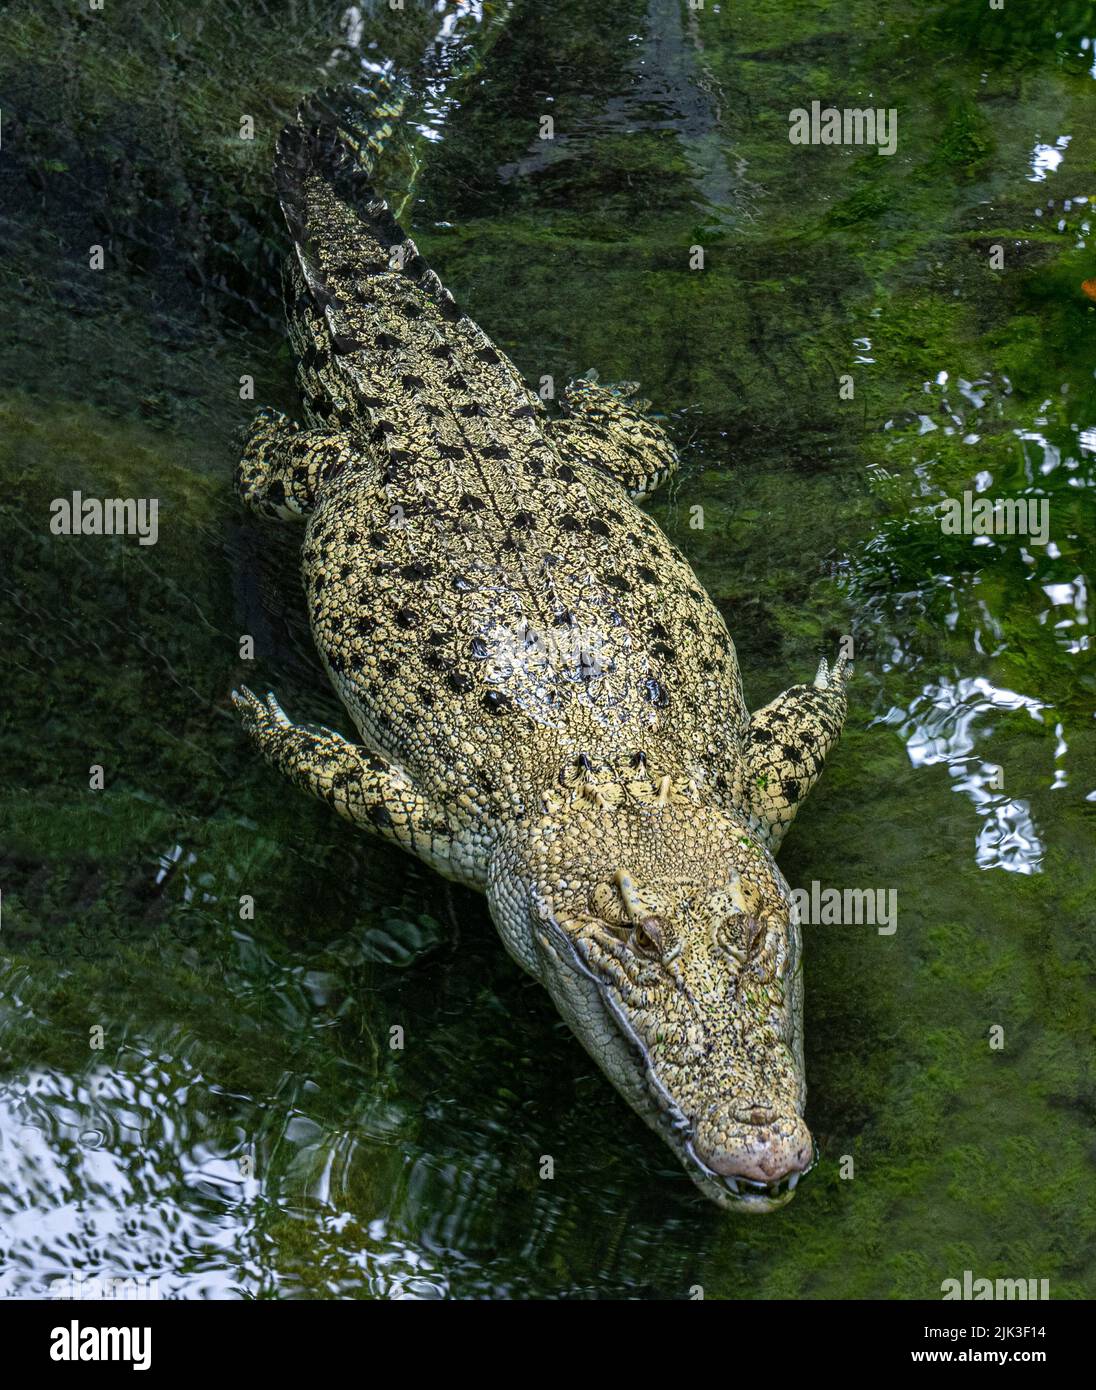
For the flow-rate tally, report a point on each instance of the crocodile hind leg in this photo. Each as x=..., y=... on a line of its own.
x=364, y=788
x=607, y=431
x=784, y=747
x=283, y=465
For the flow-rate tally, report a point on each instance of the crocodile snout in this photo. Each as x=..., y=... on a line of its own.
x=754, y=1142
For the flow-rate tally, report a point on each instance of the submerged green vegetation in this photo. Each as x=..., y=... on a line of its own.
x=246, y=1127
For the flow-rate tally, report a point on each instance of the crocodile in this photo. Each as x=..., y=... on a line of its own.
x=548, y=704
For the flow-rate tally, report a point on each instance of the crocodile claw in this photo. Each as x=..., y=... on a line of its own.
x=827, y=679
x=257, y=712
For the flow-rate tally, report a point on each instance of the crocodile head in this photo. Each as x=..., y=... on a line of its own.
x=665, y=934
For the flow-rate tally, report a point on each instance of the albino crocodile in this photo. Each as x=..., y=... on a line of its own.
x=548, y=704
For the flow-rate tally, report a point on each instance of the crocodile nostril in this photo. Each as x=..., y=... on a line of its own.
x=756, y=1115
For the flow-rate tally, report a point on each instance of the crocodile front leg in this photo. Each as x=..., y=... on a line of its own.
x=283, y=465
x=785, y=745
x=606, y=431
x=364, y=788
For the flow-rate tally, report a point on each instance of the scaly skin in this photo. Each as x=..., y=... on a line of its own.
x=548, y=704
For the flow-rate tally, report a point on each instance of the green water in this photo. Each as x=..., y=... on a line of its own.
x=244, y=1128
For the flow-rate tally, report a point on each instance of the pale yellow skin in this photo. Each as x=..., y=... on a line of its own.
x=548, y=704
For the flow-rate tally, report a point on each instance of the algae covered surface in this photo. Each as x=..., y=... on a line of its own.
x=201, y=970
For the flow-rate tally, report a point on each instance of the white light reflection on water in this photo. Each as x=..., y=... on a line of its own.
x=939, y=727
x=1045, y=159
x=87, y=1191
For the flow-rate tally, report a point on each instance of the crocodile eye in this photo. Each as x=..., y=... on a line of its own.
x=647, y=937
x=734, y=937
x=726, y=943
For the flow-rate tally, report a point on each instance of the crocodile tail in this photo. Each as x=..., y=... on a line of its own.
x=334, y=145
x=379, y=339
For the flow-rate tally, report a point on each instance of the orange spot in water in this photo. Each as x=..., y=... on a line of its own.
x=1089, y=287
